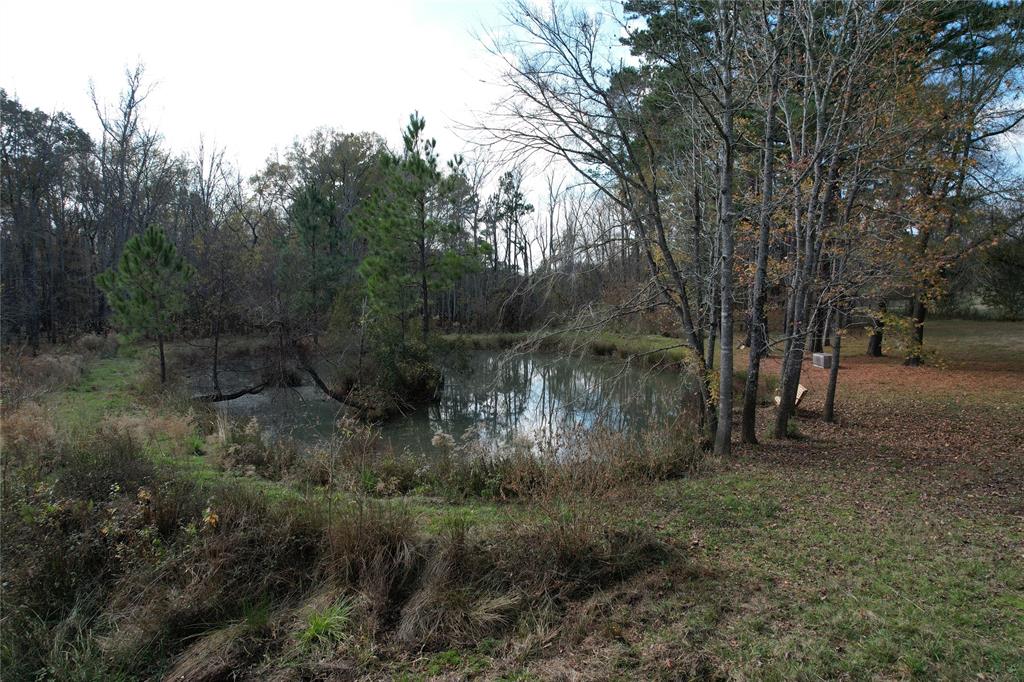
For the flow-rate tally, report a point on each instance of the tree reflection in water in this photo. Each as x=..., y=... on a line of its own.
x=539, y=395
x=536, y=395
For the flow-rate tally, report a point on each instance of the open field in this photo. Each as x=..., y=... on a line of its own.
x=887, y=546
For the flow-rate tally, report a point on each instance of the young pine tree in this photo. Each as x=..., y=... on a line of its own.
x=147, y=288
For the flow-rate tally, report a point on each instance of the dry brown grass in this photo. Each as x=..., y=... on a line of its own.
x=26, y=378
x=212, y=657
x=97, y=345
x=27, y=429
x=242, y=447
x=172, y=431
x=590, y=463
x=171, y=567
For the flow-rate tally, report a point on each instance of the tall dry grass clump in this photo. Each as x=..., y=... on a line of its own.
x=24, y=378
x=242, y=447
x=25, y=430
x=96, y=345
x=173, y=432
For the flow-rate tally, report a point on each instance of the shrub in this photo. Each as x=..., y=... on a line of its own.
x=416, y=377
x=338, y=462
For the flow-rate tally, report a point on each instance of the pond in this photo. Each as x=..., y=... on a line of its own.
x=502, y=395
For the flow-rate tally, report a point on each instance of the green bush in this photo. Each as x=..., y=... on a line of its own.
x=416, y=376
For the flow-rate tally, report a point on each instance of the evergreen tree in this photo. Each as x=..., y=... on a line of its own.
x=312, y=214
x=147, y=288
x=408, y=232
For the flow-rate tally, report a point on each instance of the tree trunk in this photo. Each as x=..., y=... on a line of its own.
x=219, y=397
x=723, y=435
x=919, y=311
x=51, y=299
x=815, y=225
x=163, y=362
x=715, y=320
x=833, y=374
x=715, y=302
x=424, y=294
x=818, y=332
x=216, y=359
x=877, y=332
x=681, y=306
x=31, y=292
x=826, y=337
x=758, y=330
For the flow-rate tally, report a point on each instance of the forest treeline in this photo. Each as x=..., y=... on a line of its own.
x=729, y=168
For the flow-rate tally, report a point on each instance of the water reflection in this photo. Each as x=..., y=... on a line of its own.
x=502, y=396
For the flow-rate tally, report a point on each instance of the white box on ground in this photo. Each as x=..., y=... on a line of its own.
x=823, y=360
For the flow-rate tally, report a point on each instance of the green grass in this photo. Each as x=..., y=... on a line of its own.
x=815, y=582
x=838, y=570
x=328, y=625
x=650, y=349
x=105, y=389
x=977, y=342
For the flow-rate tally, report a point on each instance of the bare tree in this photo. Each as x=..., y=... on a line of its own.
x=569, y=99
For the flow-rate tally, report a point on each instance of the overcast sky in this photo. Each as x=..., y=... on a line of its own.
x=252, y=76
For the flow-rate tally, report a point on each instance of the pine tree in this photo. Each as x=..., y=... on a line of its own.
x=407, y=232
x=147, y=288
x=311, y=214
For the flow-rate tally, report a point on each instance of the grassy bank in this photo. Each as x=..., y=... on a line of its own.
x=148, y=553
x=887, y=546
x=649, y=349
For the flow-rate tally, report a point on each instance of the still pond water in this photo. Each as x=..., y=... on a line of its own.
x=531, y=394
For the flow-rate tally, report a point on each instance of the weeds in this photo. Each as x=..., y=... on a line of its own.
x=175, y=432
x=28, y=429
x=96, y=345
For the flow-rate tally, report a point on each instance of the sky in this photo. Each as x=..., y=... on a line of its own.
x=253, y=76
